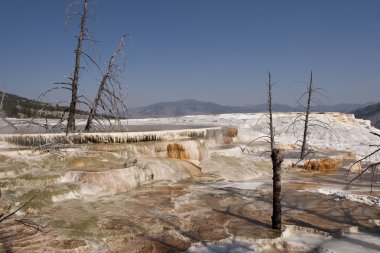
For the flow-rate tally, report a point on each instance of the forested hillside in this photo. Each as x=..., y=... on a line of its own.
x=19, y=107
x=371, y=112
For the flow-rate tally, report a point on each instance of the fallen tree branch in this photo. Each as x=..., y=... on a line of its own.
x=4, y=217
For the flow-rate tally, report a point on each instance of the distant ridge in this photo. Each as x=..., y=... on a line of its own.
x=15, y=106
x=196, y=107
x=370, y=112
x=21, y=107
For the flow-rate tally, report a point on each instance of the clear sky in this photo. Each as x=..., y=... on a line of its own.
x=212, y=50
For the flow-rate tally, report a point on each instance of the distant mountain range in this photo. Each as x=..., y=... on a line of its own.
x=194, y=107
x=21, y=107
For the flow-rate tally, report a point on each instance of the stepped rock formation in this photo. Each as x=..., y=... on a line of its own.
x=115, y=137
x=188, y=189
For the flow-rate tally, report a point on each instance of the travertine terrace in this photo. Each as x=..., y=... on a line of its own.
x=202, y=187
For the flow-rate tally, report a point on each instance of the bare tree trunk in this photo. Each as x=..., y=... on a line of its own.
x=74, y=84
x=271, y=133
x=102, y=85
x=307, y=113
x=277, y=159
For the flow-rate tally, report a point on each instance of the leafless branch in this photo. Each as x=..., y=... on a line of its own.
x=4, y=217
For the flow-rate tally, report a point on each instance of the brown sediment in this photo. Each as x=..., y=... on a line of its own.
x=177, y=151
x=68, y=244
x=147, y=220
x=147, y=244
x=323, y=164
x=3, y=158
x=231, y=132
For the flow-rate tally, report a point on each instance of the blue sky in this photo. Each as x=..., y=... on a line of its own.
x=212, y=50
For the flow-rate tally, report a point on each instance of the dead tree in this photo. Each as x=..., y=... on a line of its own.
x=106, y=87
x=84, y=35
x=307, y=113
x=271, y=128
x=74, y=80
x=109, y=96
x=373, y=168
x=277, y=159
x=306, y=120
